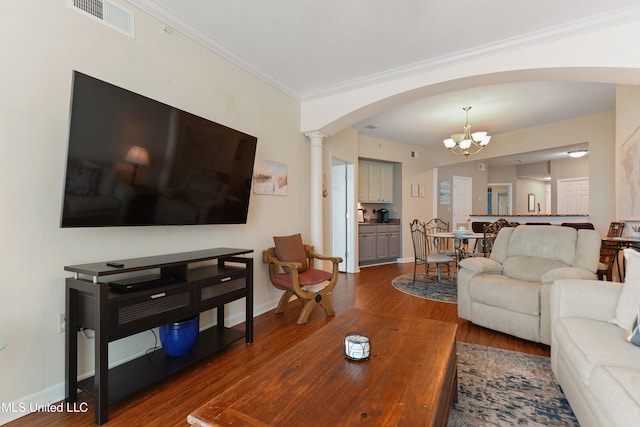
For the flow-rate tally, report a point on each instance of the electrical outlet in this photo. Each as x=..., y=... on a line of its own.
x=62, y=322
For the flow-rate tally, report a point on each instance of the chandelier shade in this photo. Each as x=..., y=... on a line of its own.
x=467, y=143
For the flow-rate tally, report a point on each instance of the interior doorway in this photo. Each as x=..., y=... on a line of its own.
x=499, y=201
x=343, y=217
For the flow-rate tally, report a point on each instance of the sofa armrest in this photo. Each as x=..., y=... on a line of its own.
x=481, y=265
x=589, y=299
x=567, y=273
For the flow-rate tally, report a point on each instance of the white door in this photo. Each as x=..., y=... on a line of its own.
x=573, y=196
x=461, y=202
x=342, y=217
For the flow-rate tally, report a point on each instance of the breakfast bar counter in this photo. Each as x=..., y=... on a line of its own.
x=528, y=218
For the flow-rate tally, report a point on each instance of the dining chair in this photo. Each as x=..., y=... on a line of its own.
x=478, y=227
x=442, y=246
x=609, y=252
x=579, y=225
x=491, y=232
x=421, y=239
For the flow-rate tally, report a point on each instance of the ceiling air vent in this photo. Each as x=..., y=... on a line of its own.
x=108, y=13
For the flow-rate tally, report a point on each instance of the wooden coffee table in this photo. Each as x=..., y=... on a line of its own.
x=410, y=379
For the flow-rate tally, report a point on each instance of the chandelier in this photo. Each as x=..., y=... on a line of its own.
x=467, y=143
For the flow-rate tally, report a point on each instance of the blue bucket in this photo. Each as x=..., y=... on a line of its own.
x=178, y=338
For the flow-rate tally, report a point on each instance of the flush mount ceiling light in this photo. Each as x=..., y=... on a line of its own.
x=577, y=153
x=467, y=143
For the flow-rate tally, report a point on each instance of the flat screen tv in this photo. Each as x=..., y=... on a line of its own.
x=136, y=161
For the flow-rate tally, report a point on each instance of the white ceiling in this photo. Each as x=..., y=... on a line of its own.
x=312, y=48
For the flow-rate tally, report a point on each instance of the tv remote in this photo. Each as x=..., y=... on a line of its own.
x=115, y=264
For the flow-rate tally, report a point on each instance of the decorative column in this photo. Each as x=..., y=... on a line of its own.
x=315, y=192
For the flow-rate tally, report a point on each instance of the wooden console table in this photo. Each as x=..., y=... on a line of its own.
x=409, y=380
x=176, y=293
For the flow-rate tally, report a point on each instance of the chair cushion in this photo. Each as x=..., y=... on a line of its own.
x=311, y=276
x=291, y=249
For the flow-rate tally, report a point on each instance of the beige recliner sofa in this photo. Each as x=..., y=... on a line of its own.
x=509, y=291
x=598, y=370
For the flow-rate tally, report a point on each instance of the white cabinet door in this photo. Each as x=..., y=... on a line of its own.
x=385, y=183
x=375, y=182
x=363, y=181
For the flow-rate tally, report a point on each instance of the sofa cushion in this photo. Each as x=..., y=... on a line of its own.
x=506, y=293
x=567, y=273
x=630, y=295
x=481, y=265
x=591, y=343
x=617, y=390
x=544, y=241
x=529, y=268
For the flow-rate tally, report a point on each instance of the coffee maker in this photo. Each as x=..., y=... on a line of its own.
x=383, y=215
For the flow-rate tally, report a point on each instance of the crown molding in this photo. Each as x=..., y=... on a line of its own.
x=219, y=48
x=608, y=19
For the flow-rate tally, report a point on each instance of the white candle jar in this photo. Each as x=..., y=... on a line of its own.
x=356, y=346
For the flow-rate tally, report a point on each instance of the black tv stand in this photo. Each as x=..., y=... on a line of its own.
x=137, y=283
x=188, y=284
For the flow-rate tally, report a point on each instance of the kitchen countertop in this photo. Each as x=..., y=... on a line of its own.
x=392, y=221
x=533, y=215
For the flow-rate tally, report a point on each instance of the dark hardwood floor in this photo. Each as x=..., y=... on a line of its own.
x=169, y=403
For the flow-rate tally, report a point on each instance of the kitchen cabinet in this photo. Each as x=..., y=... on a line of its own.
x=394, y=241
x=378, y=243
x=367, y=244
x=375, y=182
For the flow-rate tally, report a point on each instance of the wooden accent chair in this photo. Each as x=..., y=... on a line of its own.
x=291, y=269
x=420, y=239
x=609, y=252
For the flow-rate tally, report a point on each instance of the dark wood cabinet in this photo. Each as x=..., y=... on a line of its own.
x=187, y=285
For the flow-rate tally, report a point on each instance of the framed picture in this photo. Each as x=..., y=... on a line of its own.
x=270, y=177
x=445, y=193
x=532, y=202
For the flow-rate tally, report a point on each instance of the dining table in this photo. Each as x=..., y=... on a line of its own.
x=460, y=241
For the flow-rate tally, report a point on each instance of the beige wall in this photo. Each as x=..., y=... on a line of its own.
x=597, y=129
x=627, y=132
x=41, y=46
x=349, y=146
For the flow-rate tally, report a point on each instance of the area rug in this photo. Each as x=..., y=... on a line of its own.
x=444, y=291
x=507, y=388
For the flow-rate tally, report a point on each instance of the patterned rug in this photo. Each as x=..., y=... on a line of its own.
x=507, y=388
x=444, y=291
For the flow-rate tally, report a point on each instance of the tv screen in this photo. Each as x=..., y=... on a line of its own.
x=136, y=161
